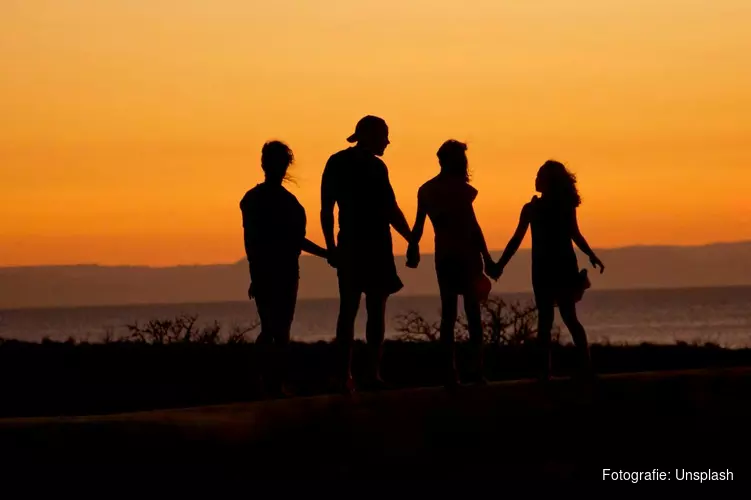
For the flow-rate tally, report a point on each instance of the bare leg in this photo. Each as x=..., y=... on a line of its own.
x=264, y=341
x=545, y=316
x=349, y=303
x=574, y=326
x=448, y=320
x=474, y=322
x=286, y=312
x=375, y=331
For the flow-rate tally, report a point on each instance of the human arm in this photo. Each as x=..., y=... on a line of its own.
x=399, y=222
x=246, y=220
x=328, y=200
x=516, y=239
x=482, y=245
x=305, y=244
x=396, y=217
x=313, y=249
x=581, y=242
x=413, y=251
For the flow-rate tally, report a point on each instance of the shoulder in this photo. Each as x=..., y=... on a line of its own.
x=427, y=188
x=335, y=160
x=343, y=156
x=529, y=208
x=290, y=198
x=339, y=155
x=249, y=197
x=379, y=162
x=338, y=164
x=428, y=185
x=376, y=164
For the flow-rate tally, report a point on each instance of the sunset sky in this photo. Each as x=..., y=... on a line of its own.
x=130, y=129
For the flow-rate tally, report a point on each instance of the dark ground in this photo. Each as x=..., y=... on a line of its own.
x=512, y=430
x=506, y=431
x=53, y=378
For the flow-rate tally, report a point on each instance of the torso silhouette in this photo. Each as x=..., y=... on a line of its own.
x=359, y=183
x=553, y=258
x=448, y=203
x=274, y=226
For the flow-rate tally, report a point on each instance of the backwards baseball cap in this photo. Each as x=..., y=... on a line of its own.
x=368, y=125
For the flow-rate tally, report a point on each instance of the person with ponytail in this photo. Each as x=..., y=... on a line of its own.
x=274, y=226
x=461, y=254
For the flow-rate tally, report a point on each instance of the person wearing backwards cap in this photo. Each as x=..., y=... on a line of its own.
x=357, y=180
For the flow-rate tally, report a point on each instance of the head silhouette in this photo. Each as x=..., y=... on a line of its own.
x=555, y=182
x=371, y=133
x=276, y=157
x=452, y=156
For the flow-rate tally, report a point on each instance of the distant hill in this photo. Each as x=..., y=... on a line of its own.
x=717, y=264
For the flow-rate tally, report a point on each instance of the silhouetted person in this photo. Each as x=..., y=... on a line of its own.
x=274, y=230
x=461, y=254
x=556, y=278
x=357, y=181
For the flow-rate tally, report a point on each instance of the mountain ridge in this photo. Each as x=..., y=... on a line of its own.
x=631, y=267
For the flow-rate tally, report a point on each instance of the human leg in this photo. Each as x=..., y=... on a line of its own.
x=545, y=317
x=448, y=321
x=474, y=322
x=567, y=308
x=286, y=303
x=375, y=331
x=349, y=303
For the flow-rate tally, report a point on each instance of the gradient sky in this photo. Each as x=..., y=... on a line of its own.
x=130, y=129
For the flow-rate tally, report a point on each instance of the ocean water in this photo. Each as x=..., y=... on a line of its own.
x=719, y=315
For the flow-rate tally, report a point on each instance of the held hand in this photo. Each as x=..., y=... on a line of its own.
x=413, y=256
x=597, y=262
x=498, y=271
x=493, y=270
x=490, y=267
x=331, y=257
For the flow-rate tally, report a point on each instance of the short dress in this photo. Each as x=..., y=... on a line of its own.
x=555, y=270
x=448, y=200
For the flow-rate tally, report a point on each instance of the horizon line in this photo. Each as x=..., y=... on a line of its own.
x=435, y=295
x=242, y=259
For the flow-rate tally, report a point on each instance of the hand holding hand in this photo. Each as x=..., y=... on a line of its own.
x=413, y=256
x=498, y=271
x=331, y=257
x=493, y=270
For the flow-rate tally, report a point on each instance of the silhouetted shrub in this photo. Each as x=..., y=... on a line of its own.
x=504, y=324
x=183, y=329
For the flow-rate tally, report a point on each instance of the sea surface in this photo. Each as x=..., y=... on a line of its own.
x=718, y=315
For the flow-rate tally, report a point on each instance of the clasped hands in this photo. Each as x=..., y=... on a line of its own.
x=492, y=269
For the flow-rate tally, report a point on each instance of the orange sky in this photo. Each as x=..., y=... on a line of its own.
x=130, y=129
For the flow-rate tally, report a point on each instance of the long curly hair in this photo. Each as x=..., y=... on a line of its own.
x=558, y=183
